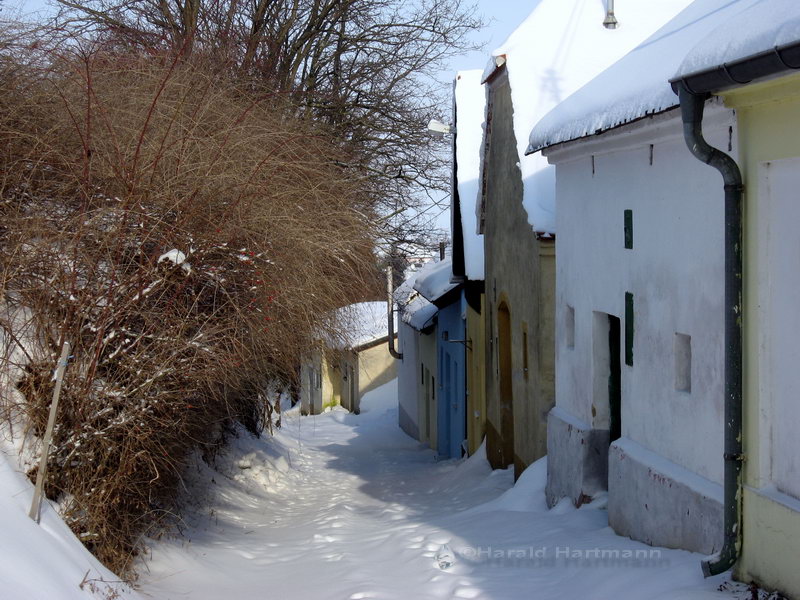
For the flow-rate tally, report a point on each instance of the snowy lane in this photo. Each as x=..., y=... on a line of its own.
x=342, y=506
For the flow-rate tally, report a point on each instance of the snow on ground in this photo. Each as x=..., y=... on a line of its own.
x=42, y=561
x=45, y=561
x=348, y=507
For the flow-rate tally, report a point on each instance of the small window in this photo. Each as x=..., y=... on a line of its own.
x=683, y=362
x=570, y=327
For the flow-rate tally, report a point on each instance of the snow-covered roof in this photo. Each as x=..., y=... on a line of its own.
x=366, y=322
x=557, y=49
x=433, y=280
x=419, y=313
x=756, y=27
x=638, y=84
x=470, y=117
x=415, y=310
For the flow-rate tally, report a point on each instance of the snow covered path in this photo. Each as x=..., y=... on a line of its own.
x=348, y=507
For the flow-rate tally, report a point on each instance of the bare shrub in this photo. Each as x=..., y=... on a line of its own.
x=184, y=235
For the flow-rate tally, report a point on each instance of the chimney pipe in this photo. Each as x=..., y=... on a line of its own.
x=390, y=312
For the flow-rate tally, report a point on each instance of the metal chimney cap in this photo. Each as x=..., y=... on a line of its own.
x=610, y=22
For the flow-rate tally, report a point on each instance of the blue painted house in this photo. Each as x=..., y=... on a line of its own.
x=451, y=351
x=436, y=286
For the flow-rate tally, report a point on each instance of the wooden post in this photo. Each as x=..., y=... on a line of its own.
x=48, y=435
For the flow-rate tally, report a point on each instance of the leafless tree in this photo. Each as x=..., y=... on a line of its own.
x=368, y=68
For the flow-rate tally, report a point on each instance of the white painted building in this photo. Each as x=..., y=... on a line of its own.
x=417, y=368
x=639, y=301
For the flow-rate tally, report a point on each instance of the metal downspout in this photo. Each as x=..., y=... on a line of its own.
x=390, y=313
x=692, y=114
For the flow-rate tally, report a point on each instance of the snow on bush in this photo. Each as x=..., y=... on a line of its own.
x=183, y=232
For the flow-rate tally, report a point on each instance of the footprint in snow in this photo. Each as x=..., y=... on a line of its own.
x=326, y=538
x=467, y=592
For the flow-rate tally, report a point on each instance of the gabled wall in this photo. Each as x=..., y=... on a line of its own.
x=519, y=276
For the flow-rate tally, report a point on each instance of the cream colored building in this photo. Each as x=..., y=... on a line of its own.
x=339, y=374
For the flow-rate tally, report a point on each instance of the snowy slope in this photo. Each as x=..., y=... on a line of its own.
x=37, y=561
x=556, y=50
x=340, y=506
x=44, y=562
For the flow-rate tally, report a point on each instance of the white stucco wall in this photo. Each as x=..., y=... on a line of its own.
x=675, y=272
x=311, y=384
x=408, y=379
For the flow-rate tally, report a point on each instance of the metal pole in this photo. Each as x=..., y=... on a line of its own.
x=390, y=313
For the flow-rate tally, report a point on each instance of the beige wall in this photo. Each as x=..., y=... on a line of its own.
x=316, y=384
x=769, y=130
x=375, y=367
x=476, y=378
x=520, y=271
x=429, y=392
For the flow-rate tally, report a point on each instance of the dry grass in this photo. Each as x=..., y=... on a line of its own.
x=112, y=165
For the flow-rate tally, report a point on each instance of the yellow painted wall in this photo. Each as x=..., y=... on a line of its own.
x=769, y=129
x=331, y=382
x=427, y=356
x=476, y=378
x=375, y=367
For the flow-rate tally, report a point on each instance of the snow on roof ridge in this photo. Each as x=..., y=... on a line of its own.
x=751, y=31
x=470, y=109
x=366, y=322
x=638, y=84
x=435, y=282
x=419, y=313
x=557, y=49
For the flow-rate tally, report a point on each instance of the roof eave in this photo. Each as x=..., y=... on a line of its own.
x=598, y=132
x=742, y=71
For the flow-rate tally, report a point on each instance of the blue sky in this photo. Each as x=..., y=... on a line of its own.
x=502, y=17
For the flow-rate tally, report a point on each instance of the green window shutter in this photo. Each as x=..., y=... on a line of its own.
x=629, y=229
x=629, y=329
